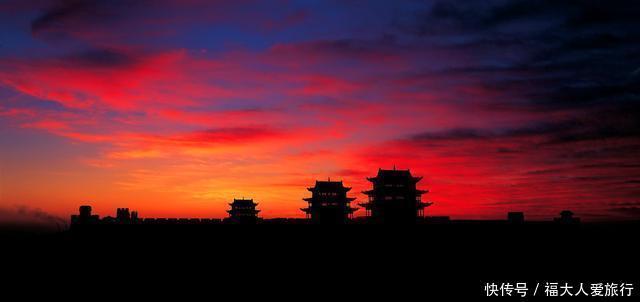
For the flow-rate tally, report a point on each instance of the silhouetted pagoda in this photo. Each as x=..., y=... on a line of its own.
x=329, y=203
x=243, y=211
x=395, y=198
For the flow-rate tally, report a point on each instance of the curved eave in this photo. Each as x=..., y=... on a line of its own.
x=423, y=205
x=253, y=204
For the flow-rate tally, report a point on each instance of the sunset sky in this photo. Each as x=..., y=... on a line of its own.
x=173, y=108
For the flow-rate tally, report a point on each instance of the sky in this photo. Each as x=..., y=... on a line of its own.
x=173, y=108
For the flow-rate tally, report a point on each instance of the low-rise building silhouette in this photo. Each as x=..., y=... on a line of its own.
x=395, y=197
x=243, y=211
x=123, y=215
x=329, y=203
x=85, y=216
x=566, y=217
x=515, y=217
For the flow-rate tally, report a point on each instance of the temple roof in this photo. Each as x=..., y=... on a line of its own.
x=243, y=202
x=347, y=199
x=394, y=172
x=382, y=174
x=373, y=192
x=329, y=186
x=348, y=209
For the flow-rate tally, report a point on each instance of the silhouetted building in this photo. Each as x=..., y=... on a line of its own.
x=515, y=217
x=566, y=217
x=395, y=198
x=329, y=203
x=243, y=211
x=85, y=211
x=123, y=215
x=85, y=216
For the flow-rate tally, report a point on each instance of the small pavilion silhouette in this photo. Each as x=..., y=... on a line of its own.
x=243, y=211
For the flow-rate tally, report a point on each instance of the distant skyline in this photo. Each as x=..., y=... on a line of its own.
x=174, y=108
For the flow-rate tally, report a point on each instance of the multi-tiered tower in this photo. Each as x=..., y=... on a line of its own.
x=329, y=203
x=243, y=211
x=395, y=197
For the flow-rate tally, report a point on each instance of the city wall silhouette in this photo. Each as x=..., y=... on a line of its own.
x=394, y=199
x=413, y=254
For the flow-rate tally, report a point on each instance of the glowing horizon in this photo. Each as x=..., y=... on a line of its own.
x=177, y=107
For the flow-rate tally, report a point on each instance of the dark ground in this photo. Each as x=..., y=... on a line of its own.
x=303, y=262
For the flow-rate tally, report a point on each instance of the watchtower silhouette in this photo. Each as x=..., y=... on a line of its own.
x=395, y=197
x=329, y=203
x=243, y=211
